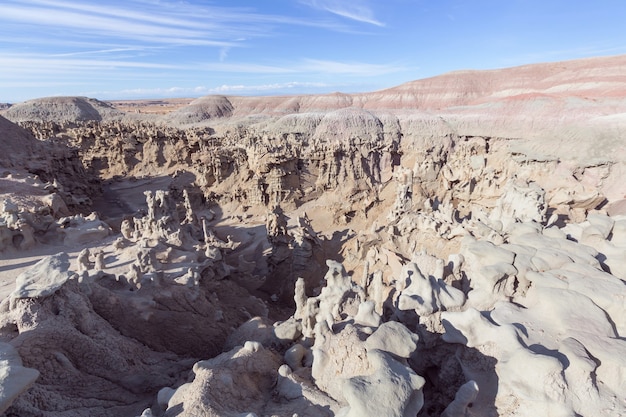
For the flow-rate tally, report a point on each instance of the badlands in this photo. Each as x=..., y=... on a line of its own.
x=454, y=246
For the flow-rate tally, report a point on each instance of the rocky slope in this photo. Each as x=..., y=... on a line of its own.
x=61, y=109
x=389, y=253
x=30, y=169
x=586, y=80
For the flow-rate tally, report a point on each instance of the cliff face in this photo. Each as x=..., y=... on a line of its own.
x=51, y=162
x=461, y=136
x=569, y=113
x=18, y=143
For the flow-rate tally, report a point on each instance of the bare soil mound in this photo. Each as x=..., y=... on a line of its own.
x=61, y=109
x=204, y=108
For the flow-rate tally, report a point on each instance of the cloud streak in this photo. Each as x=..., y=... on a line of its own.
x=348, y=68
x=65, y=64
x=50, y=63
x=239, y=88
x=161, y=23
x=143, y=42
x=102, y=26
x=350, y=9
x=221, y=89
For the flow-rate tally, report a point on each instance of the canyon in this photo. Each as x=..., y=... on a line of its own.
x=453, y=246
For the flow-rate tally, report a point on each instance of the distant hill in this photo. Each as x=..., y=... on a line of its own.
x=61, y=109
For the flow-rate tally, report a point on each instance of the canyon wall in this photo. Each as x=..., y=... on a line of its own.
x=452, y=246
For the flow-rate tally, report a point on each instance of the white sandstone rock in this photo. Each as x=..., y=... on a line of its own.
x=393, y=337
x=463, y=401
x=427, y=295
x=44, y=278
x=366, y=316
x=14, y=378
x=393, y=390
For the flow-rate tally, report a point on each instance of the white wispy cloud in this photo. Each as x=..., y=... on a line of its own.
x=107, y=52
x=105, y=26
x=40, y=84
x=131, y=42
x=243, y=68
x=349, y=68
x=45, y=64
x=271, y=88
x=224, y=53
x=125, y=13
x=351, y=9
x=169, y=23
x=57, y=64
x=238, y=88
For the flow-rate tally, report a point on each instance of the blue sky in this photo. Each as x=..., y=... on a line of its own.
x=168, y=48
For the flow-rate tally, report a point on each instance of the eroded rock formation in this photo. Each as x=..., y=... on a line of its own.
x=453, y=246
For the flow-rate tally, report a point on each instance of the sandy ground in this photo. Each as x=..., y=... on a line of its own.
x=120, y=199
x=13, y=264
x=159, y=106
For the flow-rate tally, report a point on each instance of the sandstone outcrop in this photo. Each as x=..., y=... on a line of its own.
x=42, y=177
x=15, y=378
x=452, y=246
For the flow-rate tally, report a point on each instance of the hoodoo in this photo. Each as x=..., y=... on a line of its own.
x=454, y=246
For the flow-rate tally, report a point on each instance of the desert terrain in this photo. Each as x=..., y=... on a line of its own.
x=453, y=246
